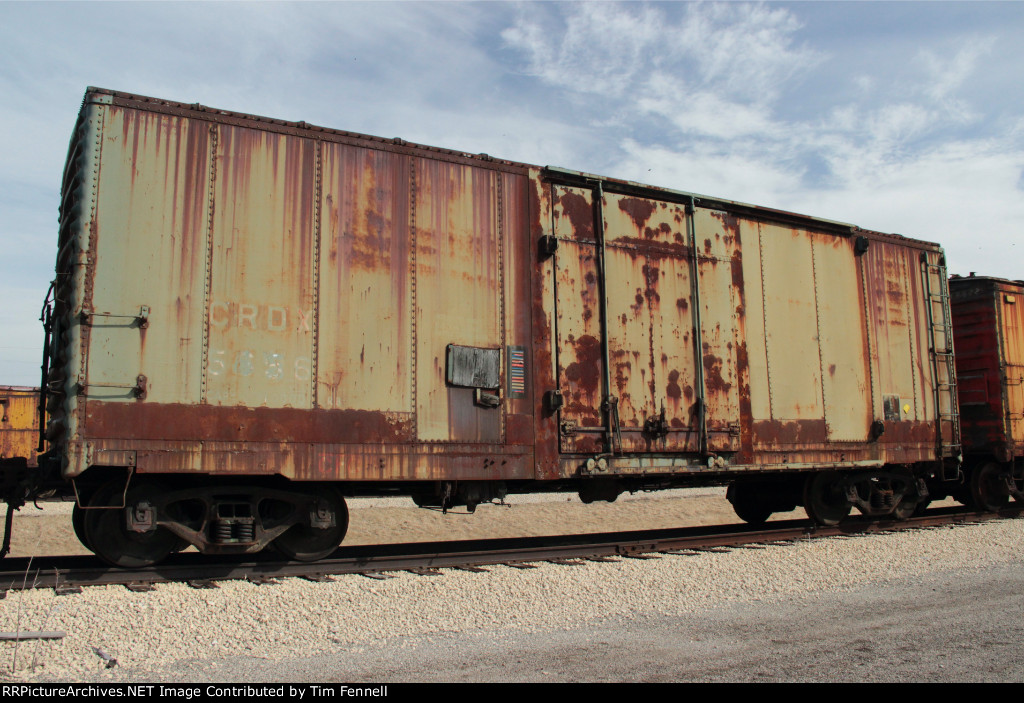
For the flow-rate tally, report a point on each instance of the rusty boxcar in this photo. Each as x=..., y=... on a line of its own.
x=19, y=445
x=988, y=329
x=19, y=423
x=256, y=318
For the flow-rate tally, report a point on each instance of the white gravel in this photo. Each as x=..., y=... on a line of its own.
x=148, y=632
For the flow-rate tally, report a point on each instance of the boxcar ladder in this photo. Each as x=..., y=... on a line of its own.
x=940, y=337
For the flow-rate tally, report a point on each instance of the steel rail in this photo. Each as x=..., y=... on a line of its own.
x=71, y=573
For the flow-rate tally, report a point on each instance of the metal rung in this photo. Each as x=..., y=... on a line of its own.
x=940, y=326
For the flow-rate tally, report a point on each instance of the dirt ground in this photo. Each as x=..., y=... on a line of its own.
x=48, y=532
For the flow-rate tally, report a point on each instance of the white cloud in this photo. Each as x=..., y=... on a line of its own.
x=743, y=50
x=703, y=112
x=947, y=75
x=712, y=71
x=706, y=169
x=604, y=48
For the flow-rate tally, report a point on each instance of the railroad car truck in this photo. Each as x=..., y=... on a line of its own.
x=988, y=330
x=254, y=319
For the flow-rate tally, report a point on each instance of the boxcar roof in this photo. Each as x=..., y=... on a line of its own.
x=955, y=280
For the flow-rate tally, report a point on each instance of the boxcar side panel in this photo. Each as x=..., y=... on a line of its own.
x=149, y=251
x=518, y=254
x=790, y=313
x=717, y=245
x=274, y=274
x=364, y=353
x=754, y=338
x=650, y=323
x=891, y=327
x=458, y=295
x=842, y=334
x=543, y=330
x=261, y=303
x=578, y=333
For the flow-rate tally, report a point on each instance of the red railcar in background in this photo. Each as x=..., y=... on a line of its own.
x=988, y=331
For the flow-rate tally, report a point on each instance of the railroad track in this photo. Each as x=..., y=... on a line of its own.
x=70, y=573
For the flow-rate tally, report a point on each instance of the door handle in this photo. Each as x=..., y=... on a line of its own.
x=486, y=400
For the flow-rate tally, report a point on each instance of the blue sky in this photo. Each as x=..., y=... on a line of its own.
x=900, y=117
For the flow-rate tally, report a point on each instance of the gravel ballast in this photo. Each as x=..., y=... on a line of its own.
x=241, y=627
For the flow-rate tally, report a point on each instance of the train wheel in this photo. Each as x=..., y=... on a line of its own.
x=304, y=542
x=988, y=490
x=108, y=536
x=78, y=523
x=824, y=498
x=907, y=508
x=749, y=506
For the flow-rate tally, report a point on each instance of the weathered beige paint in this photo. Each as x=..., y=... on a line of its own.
x=261, y=301
x=149, y=251
x=458, y=296
x=889, y=310
x=790, y=313
x=631, y=317
x=842, y=334
x=674, y=346
x=754, y=322
x=716, y=245
x=578, y=317
x=365, y=307
x=650, y=324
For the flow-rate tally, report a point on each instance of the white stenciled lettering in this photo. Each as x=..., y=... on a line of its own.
x=244, y=363
x=259, y=317
x=273, y=363
x=216, y=366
